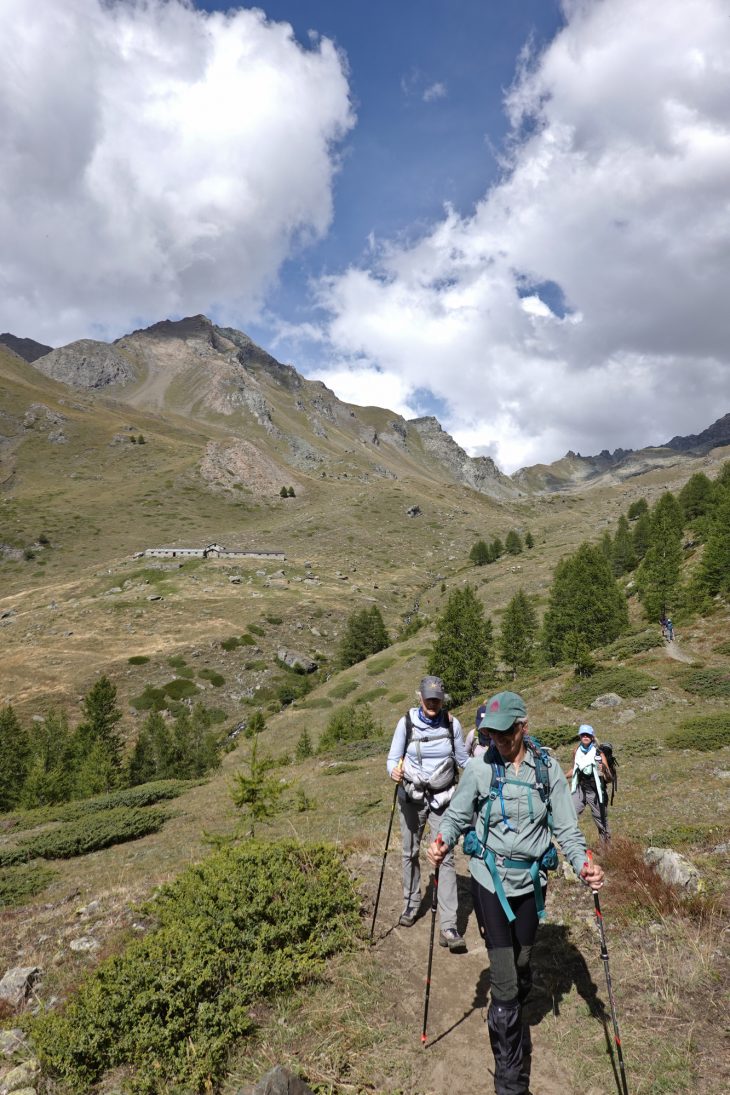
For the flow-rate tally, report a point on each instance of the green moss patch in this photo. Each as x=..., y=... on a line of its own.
x=706, y=682
x=704, y=733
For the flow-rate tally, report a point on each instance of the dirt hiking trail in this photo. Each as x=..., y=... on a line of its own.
x=675, y=652
x=458, y=1057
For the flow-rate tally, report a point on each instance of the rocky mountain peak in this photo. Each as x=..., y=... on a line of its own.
x=27, y=348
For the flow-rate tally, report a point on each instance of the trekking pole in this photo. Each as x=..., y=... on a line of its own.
x=604, y=956
x=385, y=855
x=434, y=906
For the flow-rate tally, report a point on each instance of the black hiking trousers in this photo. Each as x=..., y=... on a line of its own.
x=509, y=947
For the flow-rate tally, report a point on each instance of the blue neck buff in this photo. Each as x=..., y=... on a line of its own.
x=586, y=748
x=428, y=720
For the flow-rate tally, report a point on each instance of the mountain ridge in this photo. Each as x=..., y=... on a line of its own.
x=193, y=367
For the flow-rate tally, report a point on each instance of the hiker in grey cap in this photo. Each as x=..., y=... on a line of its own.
x=590, y=774
x=519, y=793
x=426, y=748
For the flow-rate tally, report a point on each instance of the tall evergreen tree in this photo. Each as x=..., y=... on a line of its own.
x=657, y=578
x=606, y=546
x=479, y=554
x=696, y=497
x=98, y=745
x=462, y=650
x=641, y=535
x=529, y=540
x=518, y=633
x=637, y=508
x=584, y=599
x=14, y=759
x=497, y=548
x=364, y=634
x=513, y=543
x=623, y=554
x=713, y=576
x=51, y=769
x=194, y=746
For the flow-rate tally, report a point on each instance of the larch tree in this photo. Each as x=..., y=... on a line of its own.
x=461, y=653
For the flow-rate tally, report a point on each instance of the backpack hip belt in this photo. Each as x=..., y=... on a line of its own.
x=532, y=865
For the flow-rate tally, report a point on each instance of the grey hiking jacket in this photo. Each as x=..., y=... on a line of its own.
x=531, y=838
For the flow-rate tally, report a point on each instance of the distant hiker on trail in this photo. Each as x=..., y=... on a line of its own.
x=427, y=746
x=520, y=794
x=477, y=741
x=590, y=776
x=667, y=627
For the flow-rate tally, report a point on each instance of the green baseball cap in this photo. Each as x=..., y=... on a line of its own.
x=502, y=711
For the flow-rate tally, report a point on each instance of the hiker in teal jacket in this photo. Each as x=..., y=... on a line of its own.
x=509, y=876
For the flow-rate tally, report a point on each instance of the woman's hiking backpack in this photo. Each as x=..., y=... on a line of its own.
x=612, y=763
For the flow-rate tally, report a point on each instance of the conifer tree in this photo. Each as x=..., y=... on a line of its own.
x=364, y=634
x=641, y=535
x=637, y=508
x=657, y=578
x=96, y=739
x=713, y=576
x=462, y=650
x=584, y=599
x=14, y=759
x=479, y=554
x=51, y=769
x=513, y=543
x=519, y=629
x=529, y=540
x=696, y=497
x=255, y=792
x=606, y=546
x=304, y=745
x=623, y=554
x=497, y=548
x=194, y=746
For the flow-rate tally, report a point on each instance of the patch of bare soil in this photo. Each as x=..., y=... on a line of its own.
x=457, y=1056
x=239, y=462
x=674, y=651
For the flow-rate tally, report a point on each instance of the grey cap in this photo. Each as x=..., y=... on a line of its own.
x=431, y=688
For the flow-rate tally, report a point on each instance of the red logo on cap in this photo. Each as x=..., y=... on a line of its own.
x=494, y=705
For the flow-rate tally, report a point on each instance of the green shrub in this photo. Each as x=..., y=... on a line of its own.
x=372, y=694
x=319, y=701
x=556, y=736
x=706, y=682
x=379, y=665
x=17, y=884
x=627, y=683
x=180, y=688
x=231, y=644
x=145, y=794
x=703, y=733
x=150, y=699
x=256, y=629
x=246, y=640
x=177, y=661
x=348, y=724
x=634, y=644
x=216, y=679
x=398, y=697
x=343, y=689
x=275, y=621
x=138, y=659
x=250, y=921
x=89, y=834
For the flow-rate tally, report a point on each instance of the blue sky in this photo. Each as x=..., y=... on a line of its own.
x=509, y=213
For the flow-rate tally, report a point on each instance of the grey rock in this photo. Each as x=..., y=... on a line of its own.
x=158, y=596
x=20, y=1079
x=84, y=945
x=608, y=699
x=279, y=1081
x=414, y=511
x=11, y=1041
x=673, y=868
x=296, y=660
x=17, y=984
x=86, y=364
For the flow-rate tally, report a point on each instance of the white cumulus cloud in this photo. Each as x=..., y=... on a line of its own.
x=156, y=159
x=614, y=193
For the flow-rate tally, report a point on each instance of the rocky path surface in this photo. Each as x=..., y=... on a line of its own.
x=457, y=1057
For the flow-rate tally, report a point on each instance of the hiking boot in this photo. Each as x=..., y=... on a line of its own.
x=408, y=917
x=450, y=938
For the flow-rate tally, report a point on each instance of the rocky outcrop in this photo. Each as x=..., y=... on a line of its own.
x=86, y=364
x=26, y=348
x=240, y=464
x=480, y=472
x=674, y=869
x=713, y=437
